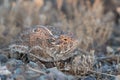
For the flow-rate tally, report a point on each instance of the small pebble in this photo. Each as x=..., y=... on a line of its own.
x=89, y=78
x=3, y=77
x=3, y=59
x=55, y=74
x=4, y=70
x=18, y=71
x=13, y=64
x=32, y=64
x=19, y=77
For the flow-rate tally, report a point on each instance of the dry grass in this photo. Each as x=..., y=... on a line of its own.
x=17, y=15
x=87, y=22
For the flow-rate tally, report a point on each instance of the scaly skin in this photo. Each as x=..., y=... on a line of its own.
x=43, y=44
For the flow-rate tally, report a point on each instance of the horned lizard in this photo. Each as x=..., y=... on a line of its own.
x=41, y=42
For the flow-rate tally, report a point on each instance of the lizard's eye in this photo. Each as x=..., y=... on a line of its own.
x=65, y=39
x=34, y=30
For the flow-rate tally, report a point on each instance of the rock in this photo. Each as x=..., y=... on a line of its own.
x=3, y=59
x=109, y=49
x=31, y=75
x=55, y=74
x=117, y=77
x=19, y=71
x=89, y=78
x=4, y=70
x=3, y=77
x=32, y=64
x=19, y=77
x=13, y=64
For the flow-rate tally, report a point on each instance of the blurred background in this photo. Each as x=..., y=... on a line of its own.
x=95, y=22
